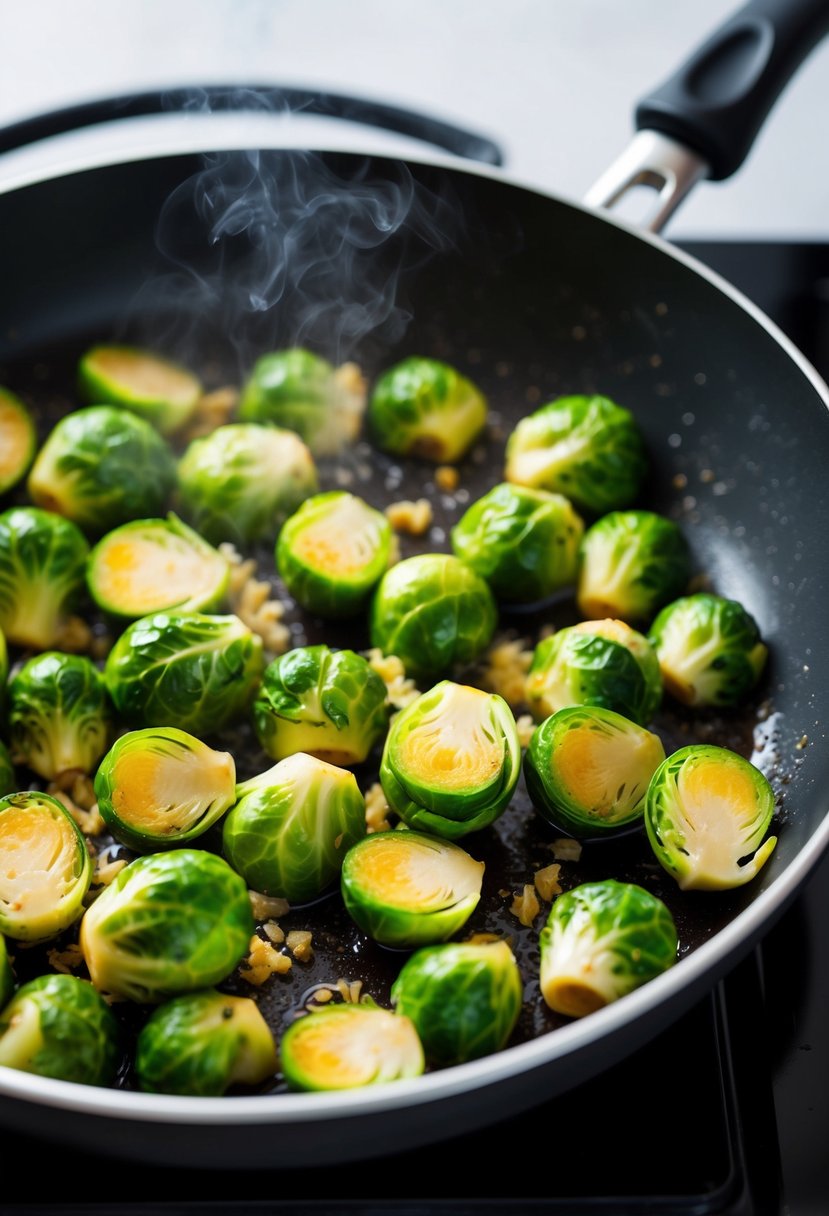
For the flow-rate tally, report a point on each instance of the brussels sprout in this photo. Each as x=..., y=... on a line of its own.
x=6, y=975
x=332, y=552
x=101, y=467
x=159, y=390
x=291, y=827
x=185, y=669
x=601, y=941
x=588, y=769
x=59, y=714
x=8, y=780
x=242, y=481
x=4, y=669
x=423, y=407
x=709, y=650
x=707, y=811
x=432, y=611
x=464, y=998
x=18, y=440
x=167, y=924
x=587, y=448
x=160, y=787
x=58, y=1026
x=604, y=663
x=45, y=867
x=524, y=542
x=632, y=562
x=348, y=1046
x=302, y=392
x=150, y=565
x=409, y=889
x=330, y=704
x=452, y=760
x=203, y=1043
x=42, y=574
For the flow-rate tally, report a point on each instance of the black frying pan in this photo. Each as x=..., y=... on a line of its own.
x=532, y=297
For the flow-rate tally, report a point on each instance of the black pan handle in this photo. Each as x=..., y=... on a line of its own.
x=254, y=98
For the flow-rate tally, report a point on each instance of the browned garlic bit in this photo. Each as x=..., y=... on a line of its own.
x=447, y=478
x=299, y=942
x=251, y=599
x=267, y=907
x=525, y=726
x=75, y=791
x=525, y=905
x=413, y=518
x=504, y=669
x=377, y=809
x=565, y=849
x=263, y=961
x=67, y=960
x=546, y=881
x=401, y=690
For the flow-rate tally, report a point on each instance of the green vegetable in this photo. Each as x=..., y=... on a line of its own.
x=452, y=760
x=42, y=575
x=6, y=975
x=632, y=562
x=8, y=780
x=160, y=787
x=707, y=812
x=169, y=923
x=60, y=717
x=58, y=1026
x=423, y=407
x=157, y=389
x=349, y=1046
x=291, y=826
x=601, y=941
x=18, y=440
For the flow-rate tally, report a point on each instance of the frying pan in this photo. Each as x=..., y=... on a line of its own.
x=532, y=296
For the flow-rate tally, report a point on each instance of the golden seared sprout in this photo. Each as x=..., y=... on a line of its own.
x=707, y=813
x=60, y=717
x=425, y=407
x=18, y=440
x=156, y=388
x=8, y=777
x=349, y=1046
x=42, y=575
x=631, y=564
x=6, y=975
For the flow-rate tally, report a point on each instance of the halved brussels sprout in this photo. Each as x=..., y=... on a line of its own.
x=464, y=998
x=332, y=552
x=588, y=448
x=349, y=1046
x=18, y=440
x=706, y=813
x=632, y=562
x=329, y=703
x=8, y=778
x=158, y=389
x=241, y=482
x=432, y=611
x=290, y=829
x=45, y=867
x=601, y=941
x=709, y=650
x=102, y=466
x=452, y=760
x=424, y=407
x=588, y=769
x=604, y=663
x=409, y=889
x=60, y=717
x=58, y=1026
x=185, y=669
x=524, y=542
x=42, y=574
x=202, y=1044
x=6, y=975
x=150, y=565
x=160, y=787
x=167, y=924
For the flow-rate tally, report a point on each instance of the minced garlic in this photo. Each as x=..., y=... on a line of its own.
x=75, y=791
x=447, y=478
x=546, y=881
x=504, y=669
x=525, y=905
x=377, y=810
x=413, y=518
x=401, y=690
x=350, y=991
x=67, y=960
x=263, y=961
x=299, y=942
x=565, y=849
x=525, y=725
x=251, y=599
x=268, y=907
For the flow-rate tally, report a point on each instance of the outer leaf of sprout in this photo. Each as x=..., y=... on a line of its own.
x=348, y=1047
x=424, y=407
x=631, y=564
x=42, y=574
x=60, y=717
x=157, y=389
x=58, y=1026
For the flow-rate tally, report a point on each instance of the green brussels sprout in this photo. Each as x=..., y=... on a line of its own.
x=290, y=829
x=18, y=440
x=167, y=924
x=6, y=975
x=151, y=565
x=332, y=552
x=4, y=669
x=42, y=575
x=588, y=448
x=707, y=811
x=8, y=779
x=604, y=663
x=464, y=998
x=59, y=714
x=329, y=703
x=45, y=867
x=155, y=388
x=423, y=407
x=601, y=941
x=631, y=564
x=709, y=650
x=524, y=542
x=302, y=392
x=588, y=769
x=452, y=760
x=432, y=611
x=58, y=1026
x=160, y=787
x=242, y=481
x=349, y=1046
x=185, y=669
x=203, y=1043
x=102, y=466
x=407, y=889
